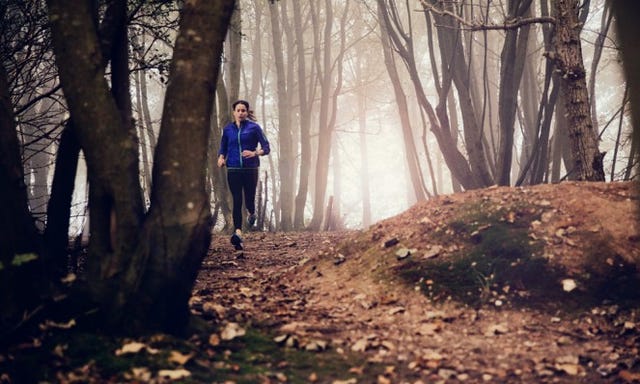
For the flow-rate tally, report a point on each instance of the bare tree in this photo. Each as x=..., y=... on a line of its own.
x=135, y=256
x=568, y=58
x=285, y=139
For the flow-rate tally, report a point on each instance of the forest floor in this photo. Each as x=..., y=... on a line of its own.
x=500, y=285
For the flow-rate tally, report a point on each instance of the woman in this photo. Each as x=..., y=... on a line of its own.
x=240, y=153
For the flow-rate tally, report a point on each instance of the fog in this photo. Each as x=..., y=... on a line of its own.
x=360, y=77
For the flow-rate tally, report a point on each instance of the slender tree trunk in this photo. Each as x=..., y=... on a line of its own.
x=365, y=188
x=605, y=24
x=454, y=62
x=325, y=128
x=305, y=121
x=285, y=141
x=221, y=116
x=59, y=207
x=511, y=69
x=147, y=135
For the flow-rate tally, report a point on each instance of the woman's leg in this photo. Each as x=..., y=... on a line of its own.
x=250, y=185
x=235, y=180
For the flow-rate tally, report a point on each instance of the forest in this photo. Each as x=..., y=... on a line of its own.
x=112, y=116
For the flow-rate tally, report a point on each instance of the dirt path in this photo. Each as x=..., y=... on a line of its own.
x=298, y=285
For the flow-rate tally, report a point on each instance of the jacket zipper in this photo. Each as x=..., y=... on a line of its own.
x=240, y=147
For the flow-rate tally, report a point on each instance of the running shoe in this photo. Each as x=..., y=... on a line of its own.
x=252, y=220
x=236, y=240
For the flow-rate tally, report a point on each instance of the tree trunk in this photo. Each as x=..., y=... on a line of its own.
x=141, y=273
x=584, y=142
x=233, y=55
x=286, y=150
x=325, y=129
x=20, y=285
x=148, y=139
x=454, y=65
x=599, y=45
x=405, y=123
x=365, y=188
x=177, y=233
x=221, y=116
x=305, y=121
x=511, y=69
x=59, y=207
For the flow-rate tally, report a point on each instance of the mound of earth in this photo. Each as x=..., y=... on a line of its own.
x=535, y=284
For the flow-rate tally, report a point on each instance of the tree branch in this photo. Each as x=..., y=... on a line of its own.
x=476, y=26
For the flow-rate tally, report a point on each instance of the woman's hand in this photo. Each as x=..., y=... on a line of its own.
x=221, y=162
x=247, y=153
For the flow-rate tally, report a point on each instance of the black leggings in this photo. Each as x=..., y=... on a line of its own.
x=242, y=180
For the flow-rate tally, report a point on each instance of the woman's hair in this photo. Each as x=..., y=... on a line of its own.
x=250, y=114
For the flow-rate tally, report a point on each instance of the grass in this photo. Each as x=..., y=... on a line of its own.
x=496, y=259
x=73, y=355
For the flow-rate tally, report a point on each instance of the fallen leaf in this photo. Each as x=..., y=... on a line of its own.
x=350, y=381
x=133, y=347
x=403, y=253
x=70, y=278
x=569, y=285
x=214, y=308
x=496, y=329
x=396, y=310
x=360, y=345
x=432, y=252
x=174, y=374
x=214, y=340
x=281, y=338
x=569, y=369
x=231, y=331
x=142, y=374
x=316, y=345
x=179, y=358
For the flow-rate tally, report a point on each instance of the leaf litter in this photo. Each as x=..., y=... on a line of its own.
x=375, y=306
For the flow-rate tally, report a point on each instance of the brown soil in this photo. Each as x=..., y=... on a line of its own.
x=344, y=289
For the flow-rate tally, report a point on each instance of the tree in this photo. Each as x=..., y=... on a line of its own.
x=330, y=81
x=19, y=240
x=413, y=164
x=142, y=263
x=511, y=69
x=573, y=86
x=285, y=139
x=304, y=99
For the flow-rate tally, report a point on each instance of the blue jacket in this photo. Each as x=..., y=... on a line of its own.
x=235, y=140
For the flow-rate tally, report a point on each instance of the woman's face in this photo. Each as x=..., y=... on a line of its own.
x=240, y=112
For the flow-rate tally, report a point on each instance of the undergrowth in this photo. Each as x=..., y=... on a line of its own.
x=74, y=355
x=496, y=260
